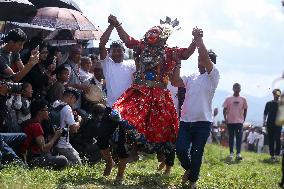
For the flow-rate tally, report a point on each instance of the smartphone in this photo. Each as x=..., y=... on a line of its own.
x=37, y=48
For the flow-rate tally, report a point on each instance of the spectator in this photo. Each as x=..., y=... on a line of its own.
x=56, y=91
x=18, y=108
x=23, y=113
x=235, y=111
x=69, y=125
x=9, y=56
x=252, y=137
x=216, y=134
x=95, y=62
x=73, y=64
x=10, y=144
x=38, y=75
x=260, y=140
x=35, y=147
x=84, y=70
x=273, y=130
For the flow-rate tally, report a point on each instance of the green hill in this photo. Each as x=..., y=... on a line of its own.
x=255, y=171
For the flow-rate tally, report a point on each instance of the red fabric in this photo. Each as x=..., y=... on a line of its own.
x=151, y=111
x=32, y=131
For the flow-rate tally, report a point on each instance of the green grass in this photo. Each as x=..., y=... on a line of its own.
x=255, y=171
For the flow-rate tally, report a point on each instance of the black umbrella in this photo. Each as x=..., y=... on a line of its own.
x=69, y=4
x=16, y=10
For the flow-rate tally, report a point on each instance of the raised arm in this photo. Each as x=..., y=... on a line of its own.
x=118, y=26
x=203, y=53
x=16, y=77
x=189, y=51
x=103, y=41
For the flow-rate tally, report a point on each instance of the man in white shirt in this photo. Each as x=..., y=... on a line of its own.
x=119, y=76
x=69, y=125
x=196, y=116
x=118, y=72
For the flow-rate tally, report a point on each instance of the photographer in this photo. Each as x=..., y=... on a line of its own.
x=9, y=142
x=37, y=148
x=10, y=57
x=68, y=124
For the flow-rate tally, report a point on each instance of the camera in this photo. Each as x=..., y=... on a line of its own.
x=64, y=132
x=13, y=87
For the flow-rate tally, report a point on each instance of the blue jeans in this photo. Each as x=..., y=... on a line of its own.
x=235, y=129
x=9, y=141
x=191, y=140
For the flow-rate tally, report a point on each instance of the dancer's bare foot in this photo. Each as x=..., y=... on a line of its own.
x=161, y=166
x=168, y=170
x=108, y=168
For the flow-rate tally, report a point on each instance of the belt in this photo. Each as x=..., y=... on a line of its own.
x=152, y=84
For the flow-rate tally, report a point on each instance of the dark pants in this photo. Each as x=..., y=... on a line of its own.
x=169, y=158
x=235, y=129
x=9, y=143
x=106, y=133
x=191, y=140
x=48, y=160
x=274, y=133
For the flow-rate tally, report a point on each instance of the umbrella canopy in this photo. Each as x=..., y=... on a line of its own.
x=30, y=30
x=69, y=4
x=74, y=35
x=61, y=18
x=16, y=10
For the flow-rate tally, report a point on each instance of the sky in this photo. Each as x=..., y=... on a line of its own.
x=247, y=35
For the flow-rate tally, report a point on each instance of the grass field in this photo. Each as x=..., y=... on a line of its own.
x=255, y=171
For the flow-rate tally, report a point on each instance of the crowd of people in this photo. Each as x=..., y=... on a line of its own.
x=64, y=108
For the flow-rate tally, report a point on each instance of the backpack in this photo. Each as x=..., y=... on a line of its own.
x=54, y=115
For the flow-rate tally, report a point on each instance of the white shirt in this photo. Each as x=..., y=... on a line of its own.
x=22, y=117
x=85, y=76
x=200, y=89
x=118, y=76
x=252, y=137
x=66, y=120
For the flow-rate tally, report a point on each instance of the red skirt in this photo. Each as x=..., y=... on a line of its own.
x=151, y=111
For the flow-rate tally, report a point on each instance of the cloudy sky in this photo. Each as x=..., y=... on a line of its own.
x=247, y=35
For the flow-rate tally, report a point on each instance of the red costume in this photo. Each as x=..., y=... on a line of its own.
x=147, y=104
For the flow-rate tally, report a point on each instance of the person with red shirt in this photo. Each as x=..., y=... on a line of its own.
x=37, y=150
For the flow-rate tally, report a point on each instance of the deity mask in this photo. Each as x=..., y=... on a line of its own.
x=152, y=36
